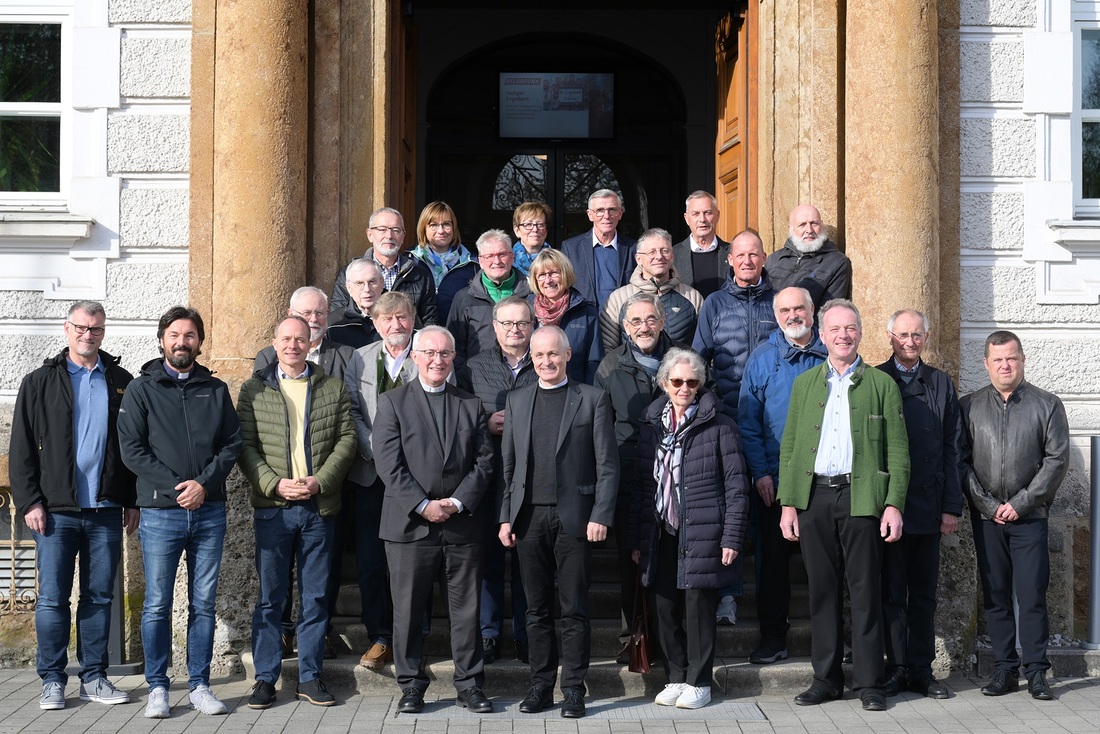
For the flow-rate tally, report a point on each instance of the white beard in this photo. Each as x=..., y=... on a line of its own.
x=813, y=246
x=794, y=333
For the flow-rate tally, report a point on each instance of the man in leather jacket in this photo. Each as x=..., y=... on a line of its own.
x=1014, y=459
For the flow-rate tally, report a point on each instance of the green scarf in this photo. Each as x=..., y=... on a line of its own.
x=499, y=292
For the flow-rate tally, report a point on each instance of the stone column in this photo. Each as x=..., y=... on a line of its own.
x=249, y=171
x=891, y=161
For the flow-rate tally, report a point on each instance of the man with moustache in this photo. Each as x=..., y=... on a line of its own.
x=400, y=271
x=733, y=322
x=299, y=441
x=843, y=477
x=311, y=304
x=178, y=432
x=432, y=450
x=76, y=496
x=629, y=375
x=700, y=259
x=602, y=258
x=354, y=328
x=655, y=275
x=791, y=349
x=561, y=475
x=1015, y=456
x=471, y=317
x=809, y=260
x=378, y=368
x=491, y=376
x=911, y=567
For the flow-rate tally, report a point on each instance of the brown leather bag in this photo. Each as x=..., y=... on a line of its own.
x=641, y=649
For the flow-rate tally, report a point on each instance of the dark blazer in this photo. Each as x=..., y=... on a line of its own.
x=579, y=251
x=681, y=259
x=334, y=358
x=414, y=465
x=587, y=457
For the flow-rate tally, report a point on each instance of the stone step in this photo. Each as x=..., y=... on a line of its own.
x=734, y=642
x=606, y=679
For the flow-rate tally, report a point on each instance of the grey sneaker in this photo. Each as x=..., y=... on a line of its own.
x=52, y=698
x=102, y=691
x=157, y=708
x=205, y=702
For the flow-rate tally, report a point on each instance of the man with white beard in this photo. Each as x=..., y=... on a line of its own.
x=809, y=260
x=762, y=413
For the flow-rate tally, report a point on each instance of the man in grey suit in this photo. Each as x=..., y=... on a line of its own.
x=433, y=453
x=602, y=259
x=555, y=504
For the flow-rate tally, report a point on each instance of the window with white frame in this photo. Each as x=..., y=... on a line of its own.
x=31, y=108
x=1087, y=105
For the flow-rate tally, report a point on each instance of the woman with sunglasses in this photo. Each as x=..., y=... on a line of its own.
x=692, y=509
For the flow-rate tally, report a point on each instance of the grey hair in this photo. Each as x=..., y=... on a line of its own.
x=563, y=340
x=386, y=210
x=700, y=194
x=493, y=235
x=912, y=312
x=306, y=290
x=839, y=303
x=603, y=194
x=649, y=298
x=675, y=356
x=433, y=329
x=92, y=308
x=359, y=263
x=655, y=233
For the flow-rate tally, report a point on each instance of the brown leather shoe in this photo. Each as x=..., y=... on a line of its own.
x=377, y=656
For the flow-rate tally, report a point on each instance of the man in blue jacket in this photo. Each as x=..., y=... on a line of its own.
x=762, y=413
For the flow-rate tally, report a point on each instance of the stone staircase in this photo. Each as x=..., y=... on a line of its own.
x=733, y=674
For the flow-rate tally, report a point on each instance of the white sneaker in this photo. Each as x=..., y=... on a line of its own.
x=693, y=697
x=670, y=695
x=52, y=698
x=102, y=691
x=727, y=611
x=205, y=702
x=157, y=708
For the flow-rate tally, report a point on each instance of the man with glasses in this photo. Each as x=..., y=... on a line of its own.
x=654, y=274
x=400, y=271
x=629, y=375
x=603, y=259
x=433, y=453
x=471, y=317
x=491, y=375
x=701, y=258
x=911, y=567
x=76, y=496
x=365, y=283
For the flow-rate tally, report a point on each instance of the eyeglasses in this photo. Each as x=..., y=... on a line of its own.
x=545, y=274
x=444, y=354
x=611, y=211
x=310, y=314
x=678, y=382
x=440, y=225
x=659, y=252
x=528, y=226
x=916, y=336
x=521, y=325
x=363, y=283
x=391, y=230
x=496, y=256
x=649, y=321
x=81, y=329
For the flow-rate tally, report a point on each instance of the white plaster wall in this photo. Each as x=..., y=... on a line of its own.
x=1011, y=13
x=156, y=66
x=153, y=217
x=148, y=143
x=998, y=147
x=991, y=70
x=150, y=11
x=992, y=220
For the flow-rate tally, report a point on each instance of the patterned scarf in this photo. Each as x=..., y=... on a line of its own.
x=549, y=312
x=523, y=258
x=666, y=469
x=440, y=265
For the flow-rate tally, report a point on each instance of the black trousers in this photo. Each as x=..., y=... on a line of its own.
x=773, y=580
x=414, y=568
x=628, y=577
x=910, y=574
x=835, y=545
x=1011, y=557
x=686, y=626
x=546, y=550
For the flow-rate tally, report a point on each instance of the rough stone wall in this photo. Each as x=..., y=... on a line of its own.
x=999, y=154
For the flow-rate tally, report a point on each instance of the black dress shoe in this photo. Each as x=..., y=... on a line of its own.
x=1037, y=686
x=263, y=695
x=895, y=682
x=816, y=694
x=1001, y=683
x=623, y=658
x=488, y=650
x=572, y=706
x=928, y=687
x=873, y=699
x=537, y=699
x=521, y=651
x=474, y=699
x=412, y=701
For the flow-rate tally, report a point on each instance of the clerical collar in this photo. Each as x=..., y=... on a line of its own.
x=430, y=388
x=544, y=386
x=174, y=374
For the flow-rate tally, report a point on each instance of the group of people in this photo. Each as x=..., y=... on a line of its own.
x=447, y=409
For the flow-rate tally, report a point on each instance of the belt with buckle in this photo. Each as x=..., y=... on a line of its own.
x=835, y=481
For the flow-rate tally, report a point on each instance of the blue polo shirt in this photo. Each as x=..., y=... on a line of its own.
x=89, y=430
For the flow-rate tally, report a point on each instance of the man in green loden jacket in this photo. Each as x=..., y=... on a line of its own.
x=843, y=475
x=299, y=441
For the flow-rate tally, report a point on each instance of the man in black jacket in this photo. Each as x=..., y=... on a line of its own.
x=353, y=326
x=808, y=259
x=1015, y=455
x=76, y=496
x=911, y=567
x=179, y=434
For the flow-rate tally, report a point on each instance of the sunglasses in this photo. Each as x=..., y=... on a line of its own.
x=678, y=382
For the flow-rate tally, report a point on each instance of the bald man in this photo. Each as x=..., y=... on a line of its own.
x=810, y=260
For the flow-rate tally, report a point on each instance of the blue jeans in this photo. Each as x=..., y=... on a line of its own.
x=165, y=534
x=96, y=535
x=283, y=536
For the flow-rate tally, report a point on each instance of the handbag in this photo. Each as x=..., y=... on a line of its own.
x=641, y=650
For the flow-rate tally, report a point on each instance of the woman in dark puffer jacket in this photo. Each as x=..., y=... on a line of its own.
x=692, y=509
